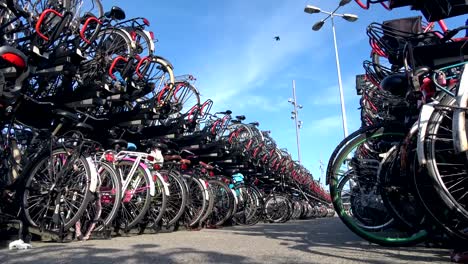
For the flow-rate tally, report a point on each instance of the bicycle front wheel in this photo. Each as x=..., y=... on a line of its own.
x=353, y=177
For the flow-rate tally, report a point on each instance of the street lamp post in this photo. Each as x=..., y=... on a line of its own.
x=295, y=116
x=317, y=26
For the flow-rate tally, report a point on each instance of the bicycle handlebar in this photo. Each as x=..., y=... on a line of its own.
x=38, y=102
x=451, y=33
x=92, y=117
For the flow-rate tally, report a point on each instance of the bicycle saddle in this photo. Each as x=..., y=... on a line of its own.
x=67, y=115
x=205, y=165
x=172, y=157
x=117, y=142
x=396, y=84
x=254, y=123
x=115, y=13
x=160, y=145
x=240, y=117
x=185, y=161
x=84, y=126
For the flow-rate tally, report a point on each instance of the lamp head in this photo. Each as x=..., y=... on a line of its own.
x=311, y=9
x=350, y=17
x=317, y=26
x=344, y=2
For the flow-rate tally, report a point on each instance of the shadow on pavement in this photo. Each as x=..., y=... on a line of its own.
x=330, y=238
x=317, y=241
x=88, y=254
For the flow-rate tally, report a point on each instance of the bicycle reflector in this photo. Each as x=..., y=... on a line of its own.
x=146, y=22
x=133, y=35
x=109, y=156
x=183, y=166
x=156, y=166
x=212, y=174
x=166, y=178
x=14, y=59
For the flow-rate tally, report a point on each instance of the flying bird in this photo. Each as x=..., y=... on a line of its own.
x=277, y=38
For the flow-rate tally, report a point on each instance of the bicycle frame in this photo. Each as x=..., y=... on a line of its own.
x=136, y=158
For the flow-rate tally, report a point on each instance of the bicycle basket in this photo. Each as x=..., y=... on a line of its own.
x=392, y=36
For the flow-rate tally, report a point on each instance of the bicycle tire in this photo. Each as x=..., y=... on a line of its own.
x=30, y=187
x=337, y=157
x=135, y=218
x=177, y=200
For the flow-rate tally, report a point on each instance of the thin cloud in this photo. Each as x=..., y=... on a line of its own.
x=255, y=56
x=325, y=125
x=331, y=96
x=262, y=103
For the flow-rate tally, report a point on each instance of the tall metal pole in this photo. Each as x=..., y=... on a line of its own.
x=296, y=119
x=340, y=84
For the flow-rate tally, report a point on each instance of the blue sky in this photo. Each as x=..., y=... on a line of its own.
x=228, y=45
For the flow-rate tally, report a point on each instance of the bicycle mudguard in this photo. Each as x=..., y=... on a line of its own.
x=145, y=168
x=165, y=184
x=94, y=175
x=18, y=59
x=460, y=140
x=423, y=121
x=205, y=189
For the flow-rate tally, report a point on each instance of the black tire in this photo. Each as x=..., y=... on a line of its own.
x=391, y=133
x=177, y=201
x=46, y=198
x=129, y=217
x=445, y=167
x=197, y=201
x=158, y=203
x=223, y=203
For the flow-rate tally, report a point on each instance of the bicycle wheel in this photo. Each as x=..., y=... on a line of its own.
x=110, y=194
x=211, y=200
x=144, y=44
x=177, y=201
x=185, y=97
x=158, y=203
x=352, y=174
x=57, y=190
x=197, y=201
x=398, y=191
x=159, y=76
x=223, y=203
x=447, y=171
x=276, y=208
x=136, y=198
x=248, y=206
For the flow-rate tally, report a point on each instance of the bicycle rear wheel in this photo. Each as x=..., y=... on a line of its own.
x=110, y=194
x=197, y=201
x=57, y=190
x=136, y=198
x=177, y=201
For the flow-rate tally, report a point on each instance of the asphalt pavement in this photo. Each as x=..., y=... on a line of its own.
x=309, y=241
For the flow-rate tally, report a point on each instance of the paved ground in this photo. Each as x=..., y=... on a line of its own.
x=311, y=241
